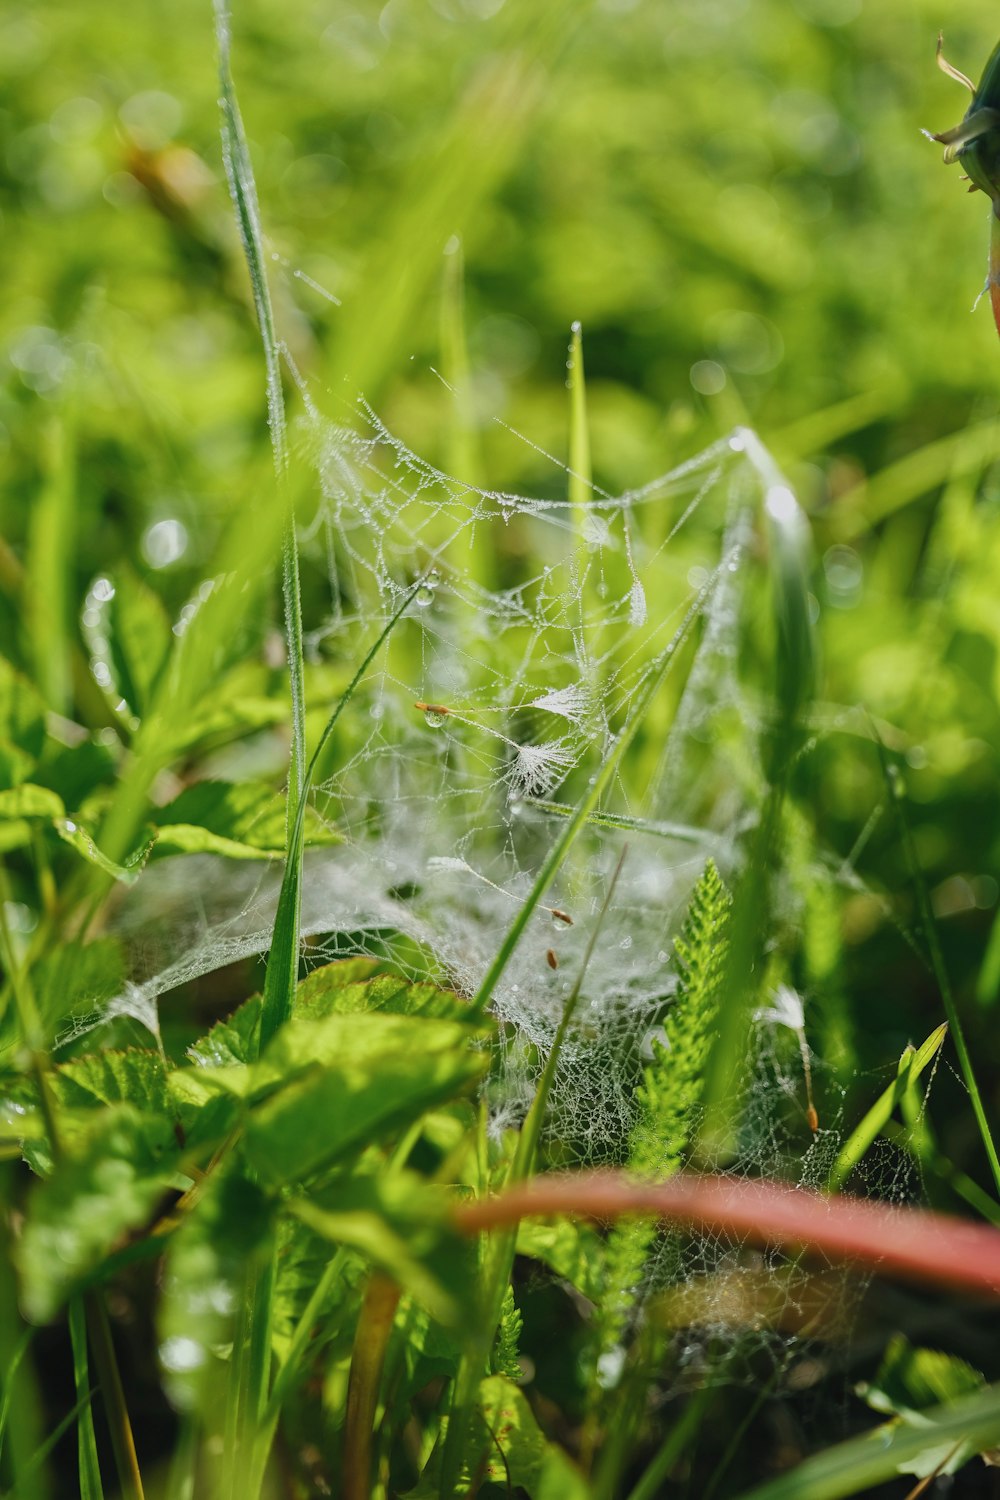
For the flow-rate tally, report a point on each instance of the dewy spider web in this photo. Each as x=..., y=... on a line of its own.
x=494, y=701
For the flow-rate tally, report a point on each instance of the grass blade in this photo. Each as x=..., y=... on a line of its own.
x=855, y=1467
x=789, y=544
x=243, y=191
x=49, y=566
x=911, y=1065
x=283, y=960
x=580, y=475
x=91, y=1487
x=894, y=782
x=499, y=1260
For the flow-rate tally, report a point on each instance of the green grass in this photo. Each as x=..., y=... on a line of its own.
x=256, y=1232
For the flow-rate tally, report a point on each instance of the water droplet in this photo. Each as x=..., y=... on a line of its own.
x=626, y=941
x=164, y=542
x=181, y=1355
x=425, y=596
x=434, y=718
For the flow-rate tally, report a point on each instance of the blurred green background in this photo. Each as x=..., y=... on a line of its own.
x=732, y=195
x=734, y=198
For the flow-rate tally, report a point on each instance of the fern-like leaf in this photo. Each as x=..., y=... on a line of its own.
x=668, y=1099
x=672, y=1083
x=506, y=1358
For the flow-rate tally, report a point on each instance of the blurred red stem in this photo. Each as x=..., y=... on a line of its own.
x=910, y=1243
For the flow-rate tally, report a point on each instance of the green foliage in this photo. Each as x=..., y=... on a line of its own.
x=205, y=1270
x=589, y=161
x=912, y=1063
x=128, y=633
x=348, y=1081
x=515, y=1450
x=22, y=726
x=400, y=1227
x=242, y=820
x=909, y=1381
x=506, y=1354
x=669, y=1095
x=106, y=1184
x=668, y=1100
x=856, y=1466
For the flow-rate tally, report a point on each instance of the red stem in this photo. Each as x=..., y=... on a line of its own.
x=911, y=1243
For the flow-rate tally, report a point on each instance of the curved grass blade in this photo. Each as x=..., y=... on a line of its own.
x=243, y=191
x=855, y=1467
x=681, y=833
x=911, y=1065
x=894, y=783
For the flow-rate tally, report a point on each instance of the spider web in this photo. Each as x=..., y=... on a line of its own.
x=492, y=707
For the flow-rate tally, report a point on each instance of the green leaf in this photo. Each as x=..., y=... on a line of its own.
x=22, y=805
x=403, y=1227
x=136, y=1076
x=347, y=987
x=908, y=1381
x=362, y=1077
x=206, y=1263
x=22, y=726
x=30, y=801
x=516, y=1451
x=82, y=840
x=670, y=1095
x=79, y=1088
x=106, y=1184
x=231, y=1043
x=355, y=985
x=572, y=1250
x=74, y=977
x=128, y=632
x=88, y=1463
x=242, y=820
x=303, y=1258
x=673, y=1080
x=506, y=1354
x=75, y=772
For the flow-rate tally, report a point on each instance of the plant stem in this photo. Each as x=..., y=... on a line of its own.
x=371, y=1340
x=913, y=1244
x=119, y=1426
x=651, y=1481
x=894, y=781
x=91, y=1487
